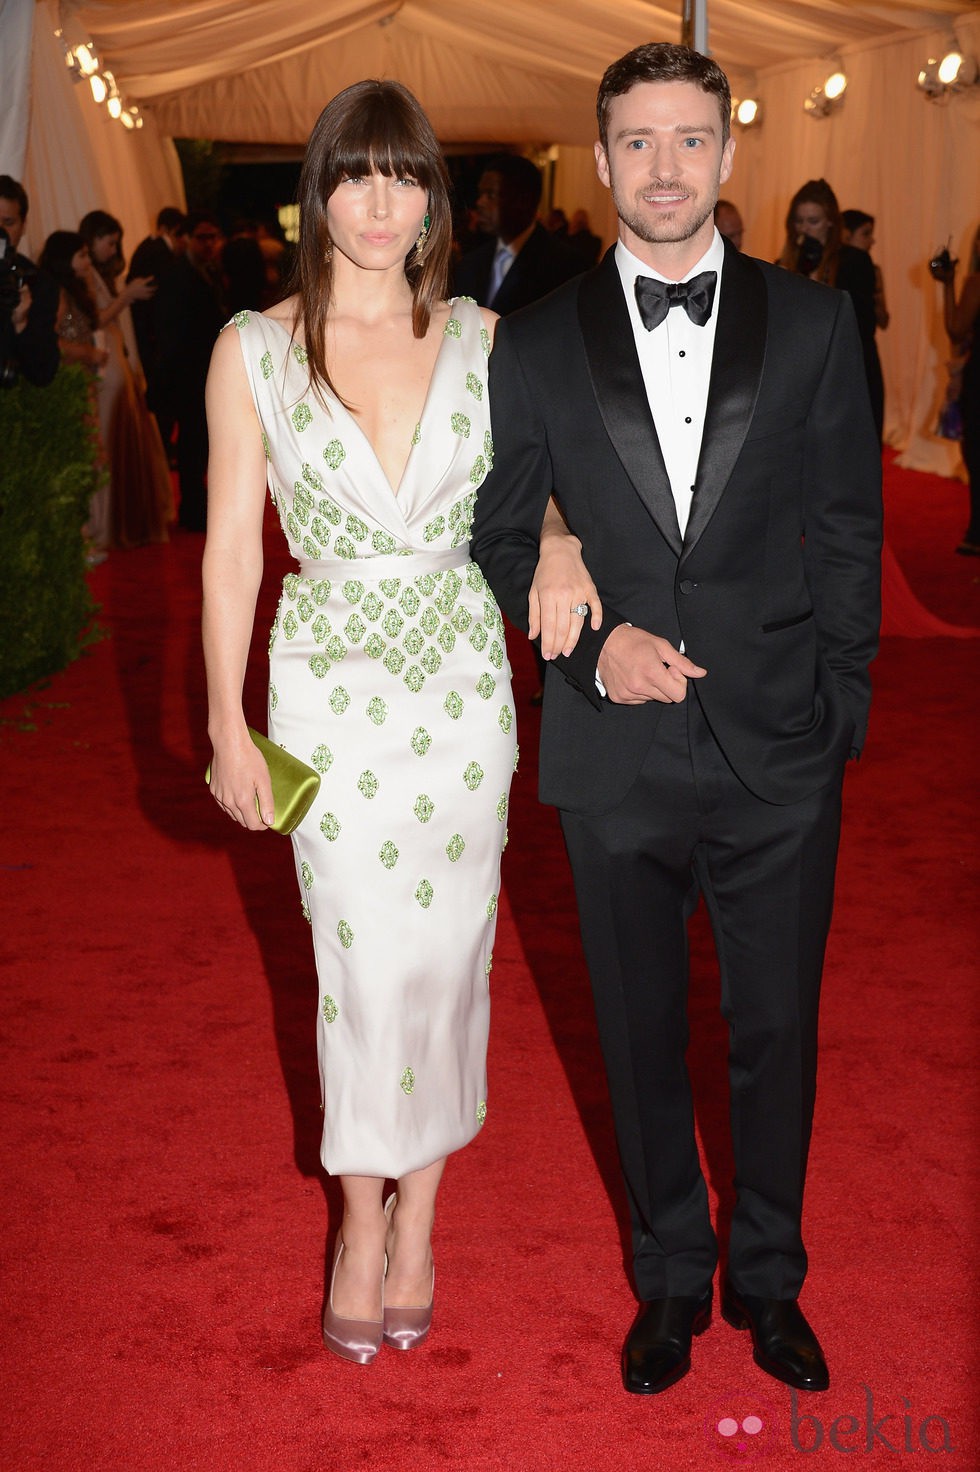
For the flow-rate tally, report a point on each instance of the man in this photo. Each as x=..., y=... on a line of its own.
x=189, y=315
x=28, y=299
x=729, y=222
x=156, y=256
x=711, y=445
x=522, y=261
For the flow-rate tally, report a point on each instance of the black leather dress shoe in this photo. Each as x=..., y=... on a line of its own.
x=784, y=1345
x=657, y=1351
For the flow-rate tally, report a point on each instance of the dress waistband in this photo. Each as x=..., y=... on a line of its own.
x=375, y=568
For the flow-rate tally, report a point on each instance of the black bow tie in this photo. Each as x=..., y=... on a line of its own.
x=655, y=298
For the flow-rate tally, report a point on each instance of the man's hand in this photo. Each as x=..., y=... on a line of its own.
x=635, y=667
x=22, y=311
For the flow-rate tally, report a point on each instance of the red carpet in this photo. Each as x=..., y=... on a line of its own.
x=165, y=1216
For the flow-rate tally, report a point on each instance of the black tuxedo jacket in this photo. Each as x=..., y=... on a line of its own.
x=774, y=588
x=542, y=264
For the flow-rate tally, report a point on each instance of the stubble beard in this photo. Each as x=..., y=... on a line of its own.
x=671, y=228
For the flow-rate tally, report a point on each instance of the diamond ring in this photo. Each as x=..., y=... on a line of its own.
x=581, y=609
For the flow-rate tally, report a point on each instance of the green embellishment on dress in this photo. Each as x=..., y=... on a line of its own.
x=304, y=607
x=300, y=354
x=372, y=607
x=501, y=807
x=357, y=528
x=481, y=1111
x=321, y=591
x=478, y=637
x=393, y=623
x=485, y=686
x=488, y=446
x=424, y=808
x=414, y=678
x=290, y=625
x=304, y=907
x=447, y=639
x=496, y=655
x=302, y=417
x=339, y=700
x=421, y=741
x=265, y=363
x=322, y=758
x=321, y=628
x=417, y=433
x=517, y=754
x=388, y=855
x=429, y=620
x=489, y=966
x=355, y=628
x=336, y=649
x=394, y=662
x=330, y=826
x=424, y=893
x=375, y=646
x=377, y=710
x=506, y=839
x=491, y=906
x=320, y=665
x=273, y=697
x=434, y=529
x=453, y=705
x=462, y=619
x=330, y=1008
x=390, y=587
x=410, y=603
x=241, y=319
x=311, y=548
x=344, y=547
x=367, y=785
x=454, y=847
x=307, y=874
x=473, y=776
x=407, y=1081
x=479, y=472
x=320, y=530
x=460, y=425
x=330, y=510
x=353, y=590
x=266, y=446
x=290, y=584
x=313, y=477
x=453, y=328
x=426, y=584
x=474, y=386
x=506, y=721
x=432, y=661
x=382, y=542
x=293, y=527
x=485, y=342
x=414, y=641
x=335, y=454
x=345, y=935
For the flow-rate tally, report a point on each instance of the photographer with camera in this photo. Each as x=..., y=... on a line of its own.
x=814, y=248
x=962, y=321
x=28, y=299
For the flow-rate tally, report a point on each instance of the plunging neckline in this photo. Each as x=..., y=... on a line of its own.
x=395, y=492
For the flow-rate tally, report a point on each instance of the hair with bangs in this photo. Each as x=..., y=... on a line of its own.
x=662, y=61
x=370, y=126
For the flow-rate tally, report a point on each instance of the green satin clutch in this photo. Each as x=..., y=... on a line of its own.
x=294, y=784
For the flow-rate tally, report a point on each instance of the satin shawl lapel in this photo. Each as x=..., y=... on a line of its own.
x=618, y=386
x=736, y=374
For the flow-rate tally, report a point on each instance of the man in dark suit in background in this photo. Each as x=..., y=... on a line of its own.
x=702, y=419
x=522, y=261
x=28, y=298
x=156, y=256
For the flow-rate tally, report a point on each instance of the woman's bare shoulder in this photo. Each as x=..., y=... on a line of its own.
x=288, y=313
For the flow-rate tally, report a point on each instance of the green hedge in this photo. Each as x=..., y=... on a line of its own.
x=48, y=471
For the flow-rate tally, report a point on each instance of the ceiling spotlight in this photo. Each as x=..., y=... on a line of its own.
x=748, y=112
x=817, y=104
x=99, y=86
x=835, y=86
x=114, y=107
x=953, y=72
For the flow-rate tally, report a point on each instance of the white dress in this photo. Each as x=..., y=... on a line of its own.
x=388, y=673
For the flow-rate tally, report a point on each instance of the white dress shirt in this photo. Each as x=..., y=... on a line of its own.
x=675, y=360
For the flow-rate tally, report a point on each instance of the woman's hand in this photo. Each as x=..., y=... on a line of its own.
x=561, y=584
x=140, y=289
x=240, y=783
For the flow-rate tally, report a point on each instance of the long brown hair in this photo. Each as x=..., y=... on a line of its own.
x=370, y=126
x=819, y=192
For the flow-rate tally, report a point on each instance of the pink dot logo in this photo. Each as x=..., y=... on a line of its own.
x=741, y=1426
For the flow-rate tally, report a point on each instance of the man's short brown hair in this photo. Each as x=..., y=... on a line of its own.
x=661, y=61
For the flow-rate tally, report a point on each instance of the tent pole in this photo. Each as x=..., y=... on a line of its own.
x=694, y=26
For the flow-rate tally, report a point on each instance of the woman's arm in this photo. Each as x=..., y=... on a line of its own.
x=561, y=584
x=232, y=572
x=140, y=289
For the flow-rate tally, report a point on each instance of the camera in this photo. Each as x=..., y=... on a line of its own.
x=941, y=265
x=809, y=254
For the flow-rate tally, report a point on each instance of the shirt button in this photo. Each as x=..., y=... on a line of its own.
x=682, y=354
x=687, y=418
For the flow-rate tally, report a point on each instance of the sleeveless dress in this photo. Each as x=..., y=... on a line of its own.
x=388, y=674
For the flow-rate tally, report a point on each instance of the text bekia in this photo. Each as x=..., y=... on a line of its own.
x=897, y=1431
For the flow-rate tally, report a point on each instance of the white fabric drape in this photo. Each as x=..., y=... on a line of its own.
x=16, y=24
x=525, y=72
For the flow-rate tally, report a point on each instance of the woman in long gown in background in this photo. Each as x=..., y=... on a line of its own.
x=362, y=401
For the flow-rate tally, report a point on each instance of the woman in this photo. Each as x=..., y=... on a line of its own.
x=65, y=258
x=813, y=247
x=362, y=400
x=139, y=502
x=962, y=321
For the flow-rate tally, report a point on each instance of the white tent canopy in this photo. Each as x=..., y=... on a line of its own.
x=525, y=72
